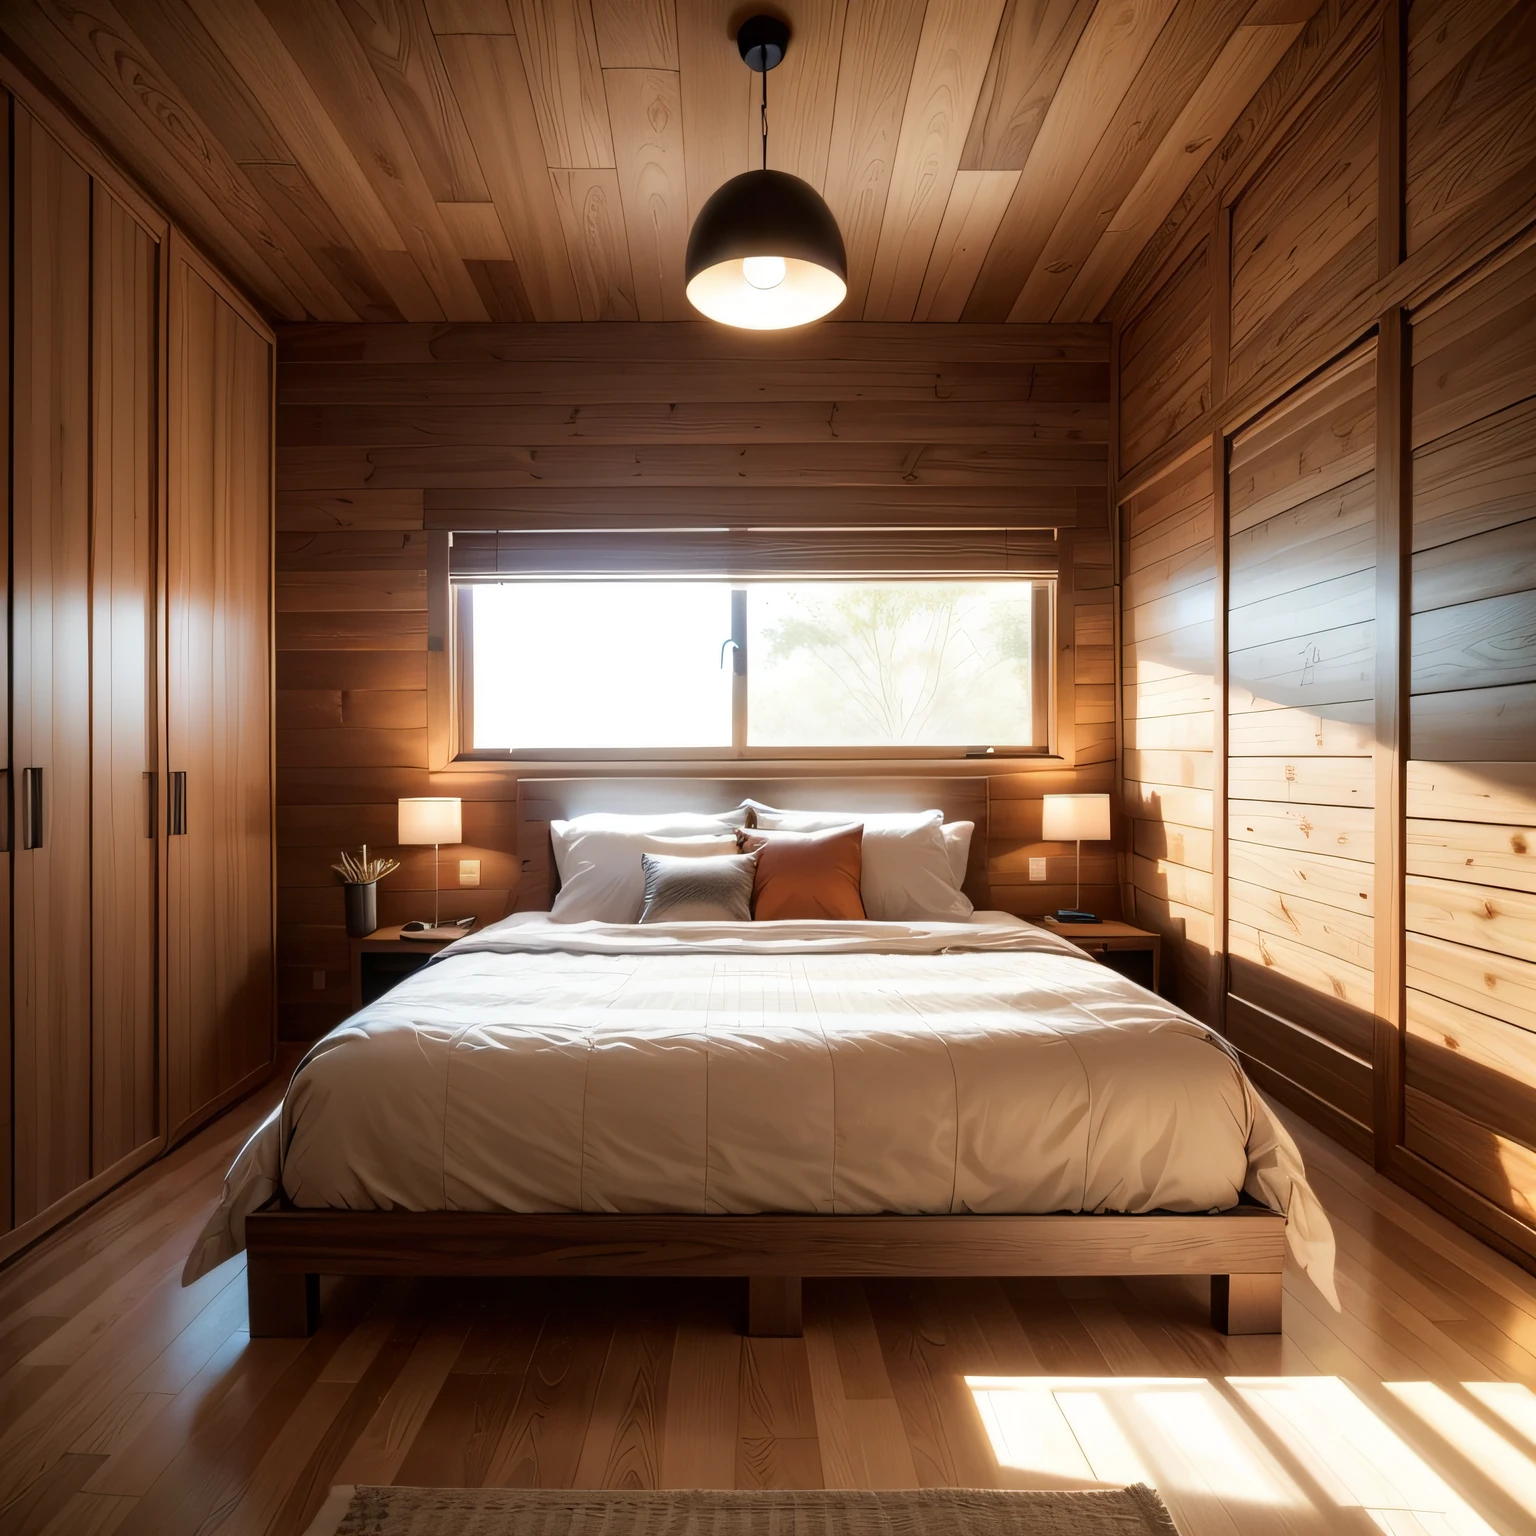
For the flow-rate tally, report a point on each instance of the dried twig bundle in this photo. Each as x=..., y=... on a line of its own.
x=362, y=870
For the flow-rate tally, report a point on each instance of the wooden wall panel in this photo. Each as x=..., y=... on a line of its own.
x=1471, y=125
x=125, y=703
x=1300, y=636
x=51, y=666
x=1470, y=910
x=1376, y=731
x=1168, y=594
x=1165, y=361
x=1304, y=229
x=1018, y=418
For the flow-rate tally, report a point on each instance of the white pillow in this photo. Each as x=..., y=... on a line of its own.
x=600, y=876
x=659, y=823
x=957, y=844
x=907, y=874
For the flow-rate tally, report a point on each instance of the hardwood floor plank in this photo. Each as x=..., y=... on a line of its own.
x=89, y=1514
x=37, y=1505
x=775, y=1390
x=841, y=1466
x=702, y=1406
x=540, y=1445
x=769, y=1462
x=928, y=1377
x=623, y=1442
x=1055, y=1332
x=381, y=1444
x=298, y=1499
x=215, y=1467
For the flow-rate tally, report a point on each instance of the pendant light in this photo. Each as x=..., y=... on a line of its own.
x=765, y=252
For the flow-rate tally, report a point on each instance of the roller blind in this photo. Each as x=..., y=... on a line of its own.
x=757, y=553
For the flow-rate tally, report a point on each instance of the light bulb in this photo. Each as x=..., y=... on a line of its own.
x=763, y=271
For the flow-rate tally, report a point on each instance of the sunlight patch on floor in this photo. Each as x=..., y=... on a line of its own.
x=1300, y=1443
x=1512, y=1402
x=1177, y=1432
x=1346, y=1446
x=1473, y=1436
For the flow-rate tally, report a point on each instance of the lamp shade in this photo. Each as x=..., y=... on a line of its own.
x=765, y=253
x=1076, y=818
x=431, y=820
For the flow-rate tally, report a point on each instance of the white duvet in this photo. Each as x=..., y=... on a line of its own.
x=838, y=1068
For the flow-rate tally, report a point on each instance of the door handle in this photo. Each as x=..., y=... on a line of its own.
x=178, y=817
x=31, y=807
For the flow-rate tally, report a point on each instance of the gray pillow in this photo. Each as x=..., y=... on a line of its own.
x=716, y=889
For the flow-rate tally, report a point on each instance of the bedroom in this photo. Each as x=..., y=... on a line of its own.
x=1006, y=458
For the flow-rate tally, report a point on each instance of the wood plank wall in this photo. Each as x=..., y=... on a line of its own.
x=1327, y=518
x=385, y=431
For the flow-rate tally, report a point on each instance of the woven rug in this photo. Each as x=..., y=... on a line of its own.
x=364, y=1511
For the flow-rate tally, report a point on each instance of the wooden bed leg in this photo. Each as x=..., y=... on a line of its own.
x=773, y=1306
x=282, y=1304
x=1246, y=1303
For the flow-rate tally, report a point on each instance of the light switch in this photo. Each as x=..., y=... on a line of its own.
x=469, y=872
x=1037, y=869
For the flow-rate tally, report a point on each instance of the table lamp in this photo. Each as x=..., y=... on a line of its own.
x=436, y=820
x=1070, y=819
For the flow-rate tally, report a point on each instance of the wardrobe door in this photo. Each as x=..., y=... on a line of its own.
x=124, y=695
x=218, y=703
x=5, y=687
x=51, y=671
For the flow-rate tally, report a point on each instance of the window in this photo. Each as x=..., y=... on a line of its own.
x=713, y=668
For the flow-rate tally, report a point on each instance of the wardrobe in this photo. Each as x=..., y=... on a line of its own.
x=137, y=890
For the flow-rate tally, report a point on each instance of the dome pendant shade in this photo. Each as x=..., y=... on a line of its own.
x=753, y=219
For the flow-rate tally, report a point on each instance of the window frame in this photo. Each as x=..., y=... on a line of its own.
x=451, y=685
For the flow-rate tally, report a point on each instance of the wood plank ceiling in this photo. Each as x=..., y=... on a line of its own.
x=463, y=160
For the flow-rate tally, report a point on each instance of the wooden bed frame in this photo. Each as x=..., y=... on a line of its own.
x=1242, y=1250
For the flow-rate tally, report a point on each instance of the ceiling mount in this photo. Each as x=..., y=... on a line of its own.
x=762, y=41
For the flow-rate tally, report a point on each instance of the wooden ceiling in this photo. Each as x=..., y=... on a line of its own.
x=987, y=160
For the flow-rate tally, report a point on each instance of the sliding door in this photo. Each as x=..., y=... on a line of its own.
x=219, y=994
x=51, y=670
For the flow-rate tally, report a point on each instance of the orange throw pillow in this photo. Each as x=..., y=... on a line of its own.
x=806, y=874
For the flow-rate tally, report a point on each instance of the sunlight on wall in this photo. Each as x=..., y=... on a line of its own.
x=1230, y=1443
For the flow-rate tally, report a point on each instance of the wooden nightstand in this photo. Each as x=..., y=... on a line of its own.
x=1133, y=952
x=384, y=958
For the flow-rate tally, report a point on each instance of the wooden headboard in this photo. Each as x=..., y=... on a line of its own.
x=541, y=801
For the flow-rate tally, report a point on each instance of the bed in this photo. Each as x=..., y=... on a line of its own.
x=767, y=1100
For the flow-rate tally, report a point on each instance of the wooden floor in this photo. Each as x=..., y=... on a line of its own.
x=128, y=1404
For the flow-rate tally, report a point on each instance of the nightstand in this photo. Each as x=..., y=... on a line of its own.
x=384, y=958
x=1132, y=951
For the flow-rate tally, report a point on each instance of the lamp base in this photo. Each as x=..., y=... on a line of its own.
x=1072, y=915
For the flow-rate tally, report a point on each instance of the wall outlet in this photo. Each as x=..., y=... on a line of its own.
x=1037, y=869
x=469, y=872
x=317, y=980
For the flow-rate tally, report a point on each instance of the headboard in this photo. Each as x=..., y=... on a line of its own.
x=541, y=801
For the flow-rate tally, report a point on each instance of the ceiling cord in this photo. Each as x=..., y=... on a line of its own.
x=765, y=119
